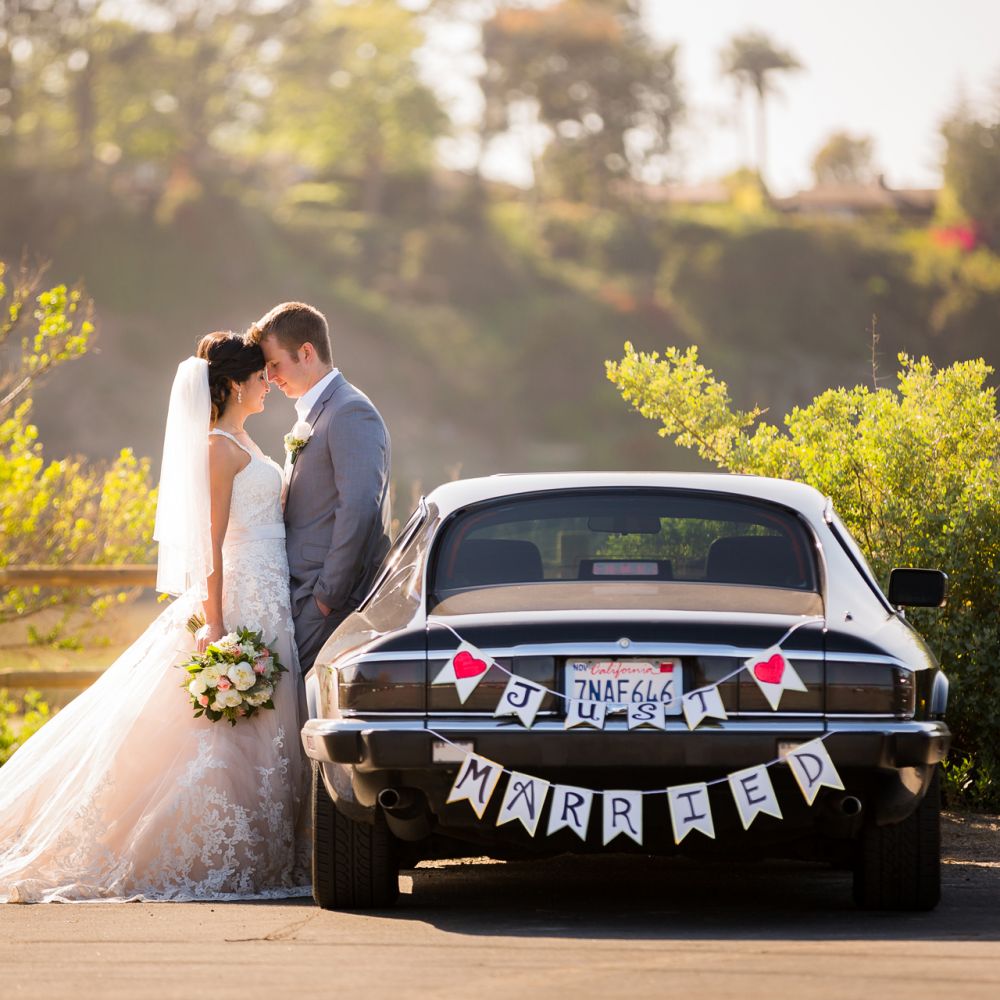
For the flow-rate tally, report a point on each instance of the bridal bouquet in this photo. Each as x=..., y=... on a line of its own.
x=233, y=678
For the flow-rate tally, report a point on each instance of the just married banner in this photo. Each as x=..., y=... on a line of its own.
x=621, y=810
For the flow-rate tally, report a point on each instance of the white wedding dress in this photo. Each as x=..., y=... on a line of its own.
x=124, y=795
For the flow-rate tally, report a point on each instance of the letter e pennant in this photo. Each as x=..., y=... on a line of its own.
x=754, y=794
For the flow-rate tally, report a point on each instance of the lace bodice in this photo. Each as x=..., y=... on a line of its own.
x=255, y=566
x=256, y=490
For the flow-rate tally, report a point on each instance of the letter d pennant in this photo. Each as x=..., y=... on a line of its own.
x=813, y=769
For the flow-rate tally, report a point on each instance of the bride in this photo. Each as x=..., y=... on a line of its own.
x=124, y=795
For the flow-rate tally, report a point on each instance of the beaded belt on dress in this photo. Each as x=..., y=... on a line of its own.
x=254, y=533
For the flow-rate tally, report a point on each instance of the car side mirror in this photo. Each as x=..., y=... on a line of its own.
x=918, y=588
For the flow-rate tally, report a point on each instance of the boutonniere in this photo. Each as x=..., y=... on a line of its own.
x=297, y=438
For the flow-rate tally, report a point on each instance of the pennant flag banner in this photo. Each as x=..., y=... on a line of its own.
x=690, y=810
x=522, y=698
x=523, y=801
x=465, y=670
x=622, y=814
x=813, y=769
x=621, y=810
x=570, y=808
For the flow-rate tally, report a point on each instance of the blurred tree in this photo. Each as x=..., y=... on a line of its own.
x=588, y=72
x=913, y=471
x=845, y=159
x=753, y=60
x=58, y=512
x=972, y=168
x=346, y=96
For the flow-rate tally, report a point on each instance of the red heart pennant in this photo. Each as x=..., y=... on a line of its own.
x=466, y=665
x=770, y=671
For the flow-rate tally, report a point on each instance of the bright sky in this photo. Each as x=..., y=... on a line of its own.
x=891, y=69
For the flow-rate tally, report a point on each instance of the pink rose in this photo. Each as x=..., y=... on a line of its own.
x=261, y=664
x=203, y=700
x=225, y=683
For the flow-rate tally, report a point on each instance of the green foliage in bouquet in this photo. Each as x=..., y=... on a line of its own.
x=66, y=512
x=234, y=678
x=914, y=472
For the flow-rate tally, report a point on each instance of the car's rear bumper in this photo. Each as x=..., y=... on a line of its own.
x=398, y=745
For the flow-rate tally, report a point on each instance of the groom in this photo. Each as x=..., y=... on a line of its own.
x=337, y=500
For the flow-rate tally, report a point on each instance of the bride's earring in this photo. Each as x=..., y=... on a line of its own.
x=239, y=394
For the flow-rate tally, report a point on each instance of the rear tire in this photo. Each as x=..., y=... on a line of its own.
x=354, y=865
x=898, y=867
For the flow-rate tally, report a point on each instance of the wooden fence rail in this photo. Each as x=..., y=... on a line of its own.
x=135, y=575
x=115, y=577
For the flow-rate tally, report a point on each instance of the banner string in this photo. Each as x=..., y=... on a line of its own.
x=644, y=791
x=814, y=620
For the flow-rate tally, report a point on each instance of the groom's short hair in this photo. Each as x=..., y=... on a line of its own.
x=294, y=324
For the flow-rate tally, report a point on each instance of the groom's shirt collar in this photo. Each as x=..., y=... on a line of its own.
x=305, y=403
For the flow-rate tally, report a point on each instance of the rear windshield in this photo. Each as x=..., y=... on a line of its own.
x=614, y=538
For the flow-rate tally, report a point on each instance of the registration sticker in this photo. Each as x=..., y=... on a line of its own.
x=624, y=682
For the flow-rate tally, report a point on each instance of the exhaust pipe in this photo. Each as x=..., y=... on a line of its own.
x=396, y=800
x=850, y=805
x=406, y=812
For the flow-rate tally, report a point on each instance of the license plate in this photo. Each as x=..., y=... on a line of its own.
x=624, y=682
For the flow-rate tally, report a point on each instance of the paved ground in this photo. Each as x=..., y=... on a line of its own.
x=611, y=926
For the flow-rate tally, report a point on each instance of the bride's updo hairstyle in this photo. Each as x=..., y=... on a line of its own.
x=230, y=360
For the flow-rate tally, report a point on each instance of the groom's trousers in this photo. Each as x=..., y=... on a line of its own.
x=312, y=630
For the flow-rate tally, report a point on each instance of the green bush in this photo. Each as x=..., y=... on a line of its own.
x=913, y=471
x=36, y=714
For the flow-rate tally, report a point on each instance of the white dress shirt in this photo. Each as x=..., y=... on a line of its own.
x=308, y=399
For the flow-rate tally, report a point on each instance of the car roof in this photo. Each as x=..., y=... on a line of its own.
x=451, y=496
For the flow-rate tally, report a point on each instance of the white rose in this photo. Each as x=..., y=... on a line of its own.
x=229, y=699
x=229, y=639
x=258, y=698
x=211, y=674
x=197, y=686
x=301, y=431
x=242, y=675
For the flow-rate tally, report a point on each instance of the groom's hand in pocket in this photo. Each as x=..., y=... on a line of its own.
x=323, y=609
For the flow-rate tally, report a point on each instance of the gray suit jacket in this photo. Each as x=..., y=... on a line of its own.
x=337, y=506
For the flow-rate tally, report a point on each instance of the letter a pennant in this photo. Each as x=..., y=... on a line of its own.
x=467, y=667
x=813, y=769
x=523, y=801
x=475, y=782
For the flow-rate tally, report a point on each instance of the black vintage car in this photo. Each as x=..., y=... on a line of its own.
x=632, y=596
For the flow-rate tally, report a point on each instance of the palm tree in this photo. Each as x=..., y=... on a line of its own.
x=752, y=59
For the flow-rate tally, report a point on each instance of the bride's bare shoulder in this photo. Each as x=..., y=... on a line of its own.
x=225, y=456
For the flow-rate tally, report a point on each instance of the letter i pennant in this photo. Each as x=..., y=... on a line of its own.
x=465, y=670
